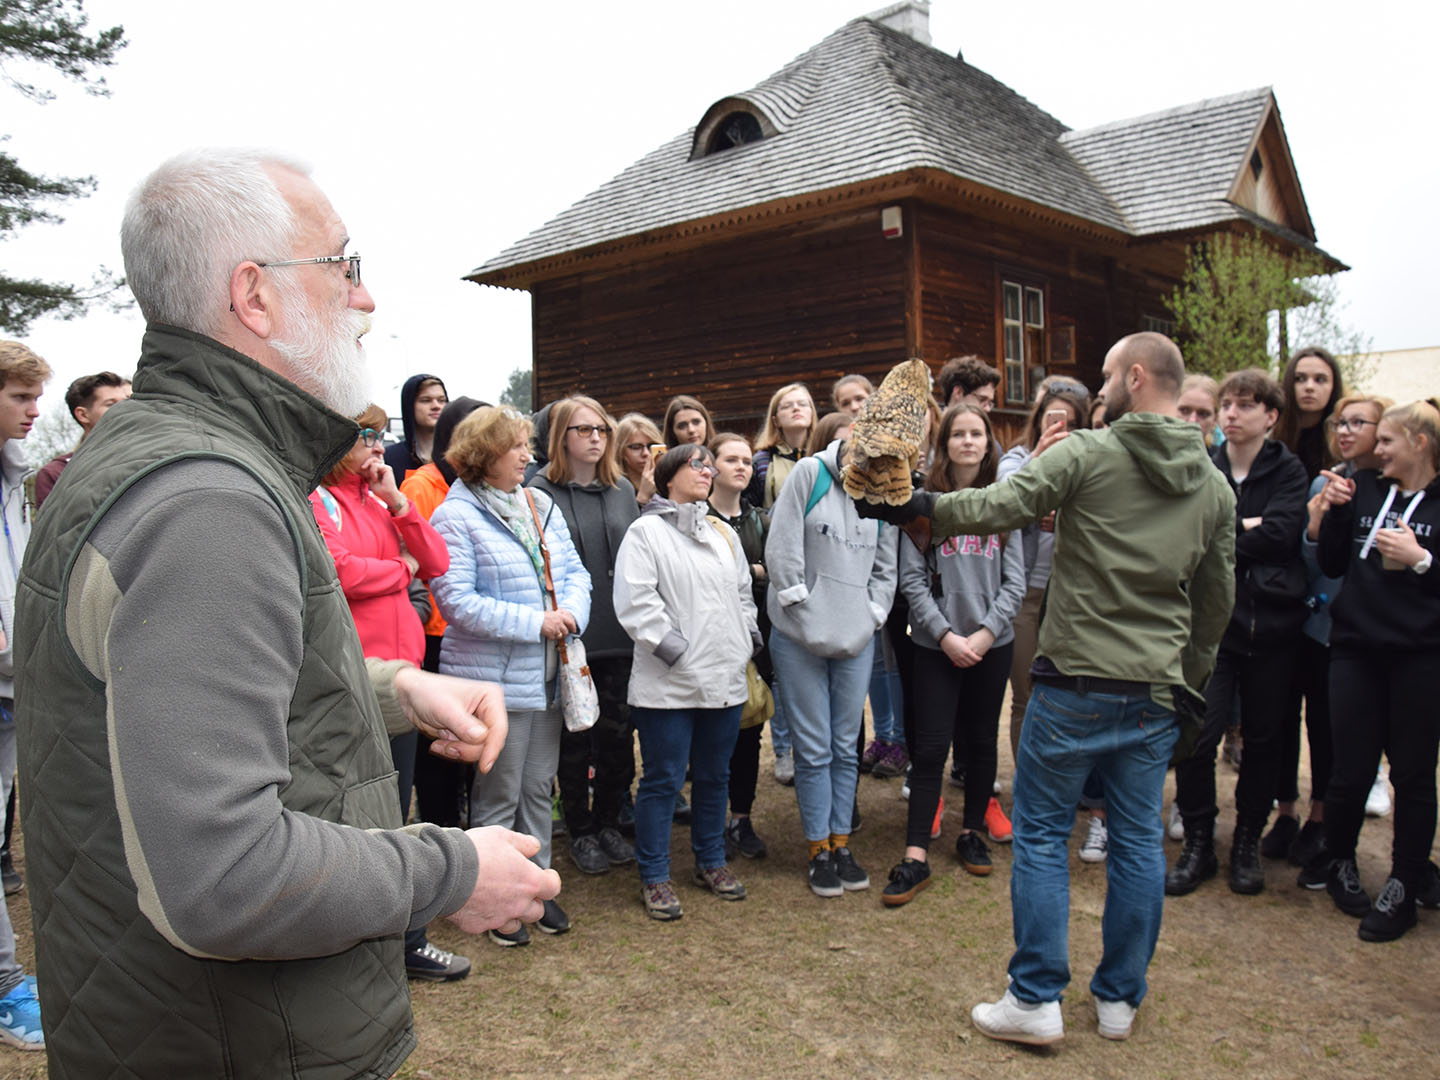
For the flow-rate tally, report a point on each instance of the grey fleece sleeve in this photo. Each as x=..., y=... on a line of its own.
x=186, y=604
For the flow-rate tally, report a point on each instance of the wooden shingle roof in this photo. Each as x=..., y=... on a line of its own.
x=870, y=102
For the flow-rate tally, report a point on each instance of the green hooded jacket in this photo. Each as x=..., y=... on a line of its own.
x=1143, y=579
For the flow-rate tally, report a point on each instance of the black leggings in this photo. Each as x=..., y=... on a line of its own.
x=745, y=769
x=1312, y=685
x=609, y=746
x=1262, y=683
x=1384, y=701
x=442, y=786
x=960, y=705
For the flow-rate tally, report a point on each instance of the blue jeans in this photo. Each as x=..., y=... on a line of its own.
x=1127, y=741
x=887, y=699
x=780, y=722
x=825, y=699
x=670, y=739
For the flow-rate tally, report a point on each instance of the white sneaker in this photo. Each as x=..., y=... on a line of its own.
x=1019, y=1021
x=1176, y=828
x=1116, y=1018
x=785, y=768
x=1377, y=804
x=1097, y=843
x=905, y=784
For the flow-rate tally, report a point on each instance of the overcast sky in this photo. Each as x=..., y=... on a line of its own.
x=442, y=142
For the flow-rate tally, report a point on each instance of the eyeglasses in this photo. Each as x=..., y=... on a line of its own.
x=1349, y=426
x=637, y=446
x=700, y=465
x=586, y=430
x=369, y=436
x=352, y=271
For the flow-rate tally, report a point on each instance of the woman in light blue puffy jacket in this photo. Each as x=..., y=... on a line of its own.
x=502, y=623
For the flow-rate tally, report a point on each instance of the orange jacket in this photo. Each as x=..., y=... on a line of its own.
x=426, y=488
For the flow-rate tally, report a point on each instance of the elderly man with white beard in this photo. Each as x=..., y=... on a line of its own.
x=220, y=880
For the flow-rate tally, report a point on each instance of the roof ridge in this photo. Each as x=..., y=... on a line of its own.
x=1204, y=104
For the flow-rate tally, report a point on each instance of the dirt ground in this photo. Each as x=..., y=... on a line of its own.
x=786, y=984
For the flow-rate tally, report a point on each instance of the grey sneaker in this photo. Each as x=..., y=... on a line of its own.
x=785, y=768
x=589, y=855
x=435, y=965
x=721, y=882
x=851, y=876
x=618, y=851
x=661, y=902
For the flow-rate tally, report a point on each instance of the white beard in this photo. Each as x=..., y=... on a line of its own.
x=324, y=353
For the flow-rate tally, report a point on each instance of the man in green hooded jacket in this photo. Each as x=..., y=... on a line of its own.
x=1139, y=597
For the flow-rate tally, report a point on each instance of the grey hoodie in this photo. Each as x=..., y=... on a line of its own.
x=982, y=582
x=832, y=573
x=1039, y=544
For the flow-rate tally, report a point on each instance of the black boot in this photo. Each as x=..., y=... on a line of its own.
x=1197, y=860
x=1246, y=876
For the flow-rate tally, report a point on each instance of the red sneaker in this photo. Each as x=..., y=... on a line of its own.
x=997, y=824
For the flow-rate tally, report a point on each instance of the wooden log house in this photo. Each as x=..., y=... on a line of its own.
x=876, y=199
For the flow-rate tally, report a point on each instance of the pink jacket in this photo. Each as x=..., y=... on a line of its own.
x=366, y=549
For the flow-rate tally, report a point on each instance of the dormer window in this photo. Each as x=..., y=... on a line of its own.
x=737, y=129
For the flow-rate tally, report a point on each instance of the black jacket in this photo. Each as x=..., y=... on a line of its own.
x=401, y=456
x=1270, y=580
x=1378, y=608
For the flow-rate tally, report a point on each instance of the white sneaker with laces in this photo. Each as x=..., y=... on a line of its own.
x=1013, y=1020
x=1377, y=803
x=1116, y=1018
x=1097, y=843
x=1176, y=828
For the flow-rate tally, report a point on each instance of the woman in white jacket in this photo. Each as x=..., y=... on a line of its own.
x=682, y=592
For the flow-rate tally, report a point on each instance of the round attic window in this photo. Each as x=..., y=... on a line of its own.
x=736, y=129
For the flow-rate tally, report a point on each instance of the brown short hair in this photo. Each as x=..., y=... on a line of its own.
x=675, y=459
x=1067, y=391
x=1254, y=383
x=376, y=419
x=483, y=437
x=20, y=364
x=558, y=470
x=969, y=373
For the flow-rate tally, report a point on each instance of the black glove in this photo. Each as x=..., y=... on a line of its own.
x=921, y=504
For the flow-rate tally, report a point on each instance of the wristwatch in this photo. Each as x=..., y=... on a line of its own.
x=1424, y=563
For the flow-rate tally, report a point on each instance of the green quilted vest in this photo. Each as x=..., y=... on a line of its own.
x=119, y=1000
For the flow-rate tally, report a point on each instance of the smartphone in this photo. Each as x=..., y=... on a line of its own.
x=1054, y=416
x=657, y=450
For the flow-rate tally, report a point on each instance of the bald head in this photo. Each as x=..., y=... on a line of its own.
x=1158, y=355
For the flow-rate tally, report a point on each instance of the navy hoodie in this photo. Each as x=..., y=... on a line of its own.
x=401, y=456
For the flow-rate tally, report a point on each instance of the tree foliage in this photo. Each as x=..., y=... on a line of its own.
x=518, y=391
x=50, y=34
x=1245, y=304
x=55, y=432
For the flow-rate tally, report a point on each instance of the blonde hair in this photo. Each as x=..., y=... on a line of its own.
x=1379, y=401
x=376, y=419
x=483, y=437
x=770, y=435
x=1417, y=419
x=1202, y=382
x=558, y=471
x=21, y=364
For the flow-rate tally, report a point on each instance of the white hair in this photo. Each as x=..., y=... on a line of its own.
x=192, y=221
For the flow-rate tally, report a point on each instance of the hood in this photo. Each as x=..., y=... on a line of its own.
x=12, y=462
x=453, y=413
x=830, y=457
x=408, y=393
x=1170, y=452
x=1272, y=455
x=540, y=443
x=688, y=518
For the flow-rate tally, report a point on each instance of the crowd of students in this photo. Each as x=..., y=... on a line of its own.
x=678, y=553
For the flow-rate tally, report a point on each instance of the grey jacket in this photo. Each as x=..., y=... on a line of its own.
x=682, y=592
x=981, y=585
x=832, y=573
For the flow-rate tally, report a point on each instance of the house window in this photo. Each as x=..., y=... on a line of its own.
x=1156, y=325
x=736, y=129
x=1257, y=164
x=1023, y=314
